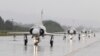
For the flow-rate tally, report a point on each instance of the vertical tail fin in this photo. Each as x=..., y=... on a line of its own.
x=40, y=22
x=42, y=16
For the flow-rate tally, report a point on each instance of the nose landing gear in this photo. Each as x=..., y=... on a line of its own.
x=36, y=41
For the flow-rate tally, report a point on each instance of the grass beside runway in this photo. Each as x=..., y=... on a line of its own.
x=3, y=33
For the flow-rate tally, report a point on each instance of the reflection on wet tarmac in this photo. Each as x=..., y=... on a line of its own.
x=71, y=45
x=35, y=50
x=25, y=48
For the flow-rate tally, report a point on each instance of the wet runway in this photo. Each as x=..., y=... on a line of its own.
x=11, y=47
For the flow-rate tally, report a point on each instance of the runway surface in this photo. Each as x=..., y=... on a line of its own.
x=84, y=47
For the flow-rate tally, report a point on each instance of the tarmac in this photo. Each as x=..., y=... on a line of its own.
x=86, y=46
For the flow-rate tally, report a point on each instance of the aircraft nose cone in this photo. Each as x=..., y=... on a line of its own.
x=36, y=31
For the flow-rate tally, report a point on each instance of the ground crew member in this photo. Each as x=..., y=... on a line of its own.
x=25, y=40
x=51, y=41
x=79, y=37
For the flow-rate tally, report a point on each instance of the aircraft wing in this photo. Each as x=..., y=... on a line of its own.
x=60, y=33
x=18, y=33
x=55, y=34
x=27, y=33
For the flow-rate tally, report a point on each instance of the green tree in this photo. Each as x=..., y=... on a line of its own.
x=8, y=25
x=52, y=26
x=1, y=23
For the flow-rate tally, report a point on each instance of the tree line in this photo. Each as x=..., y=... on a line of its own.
x=8, y=25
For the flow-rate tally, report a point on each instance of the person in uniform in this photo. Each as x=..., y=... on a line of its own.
x=51, y=41
x=25, y=40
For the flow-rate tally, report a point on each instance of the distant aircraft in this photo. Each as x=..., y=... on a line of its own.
x=84, y=32
x=90, y=33
x=40, y=30
x=70, y=32
x=87, y=33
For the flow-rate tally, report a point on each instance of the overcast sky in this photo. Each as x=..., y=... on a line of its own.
x=66, y=12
